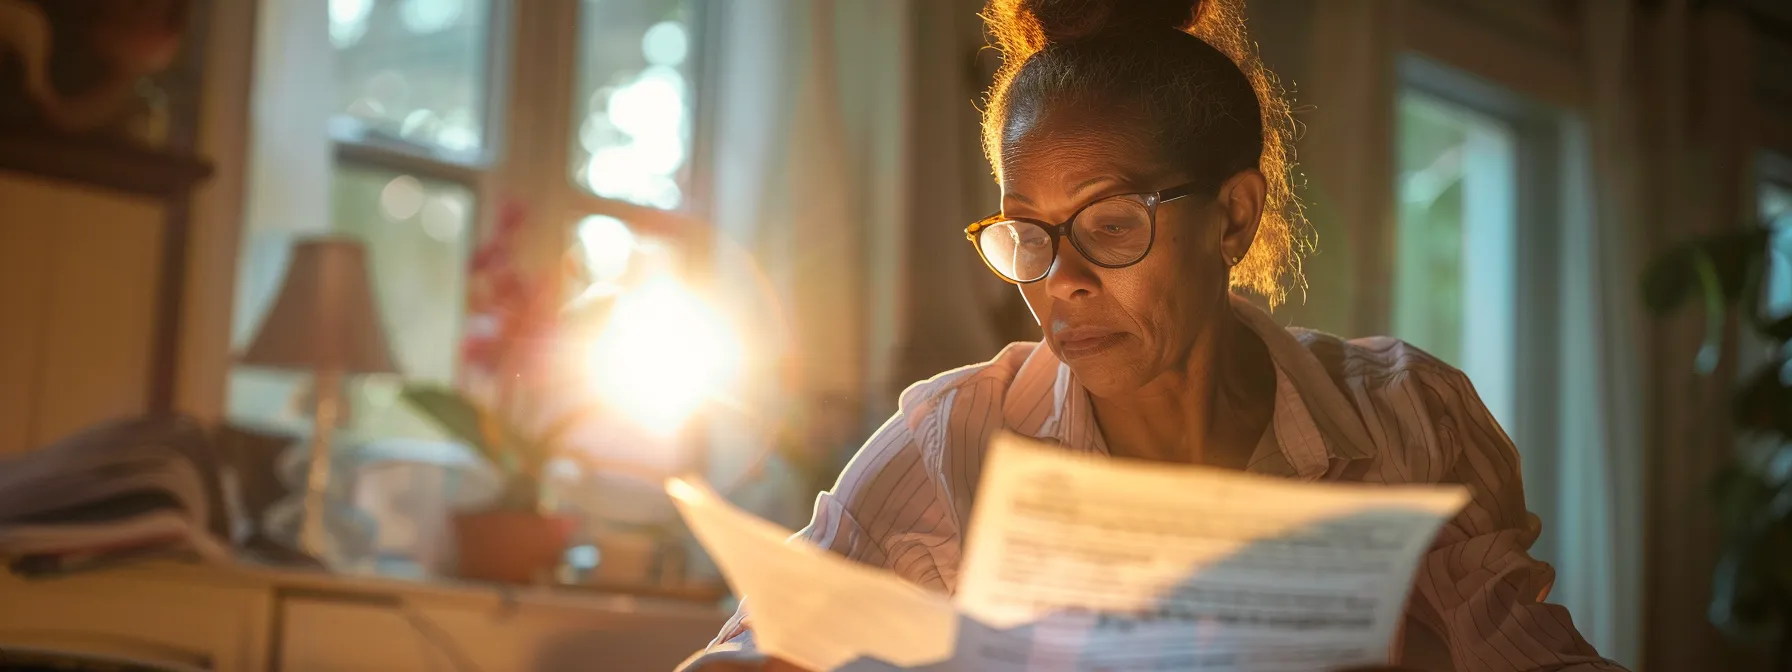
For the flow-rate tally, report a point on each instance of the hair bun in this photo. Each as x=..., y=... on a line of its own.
x=1041, y=22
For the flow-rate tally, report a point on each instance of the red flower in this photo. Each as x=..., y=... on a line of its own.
x=512, y=318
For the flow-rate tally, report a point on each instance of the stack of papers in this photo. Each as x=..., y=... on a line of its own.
x=1082, y=562
x=121, y=491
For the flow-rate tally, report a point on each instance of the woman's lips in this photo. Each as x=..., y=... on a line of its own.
x=1085, y=341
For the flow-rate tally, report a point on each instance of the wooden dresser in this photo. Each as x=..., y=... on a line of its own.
x=242, y=619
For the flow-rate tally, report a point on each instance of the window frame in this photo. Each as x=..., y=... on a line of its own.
x=397, y=155
x=535, y=121
x=530, y=81
x=1540, y=133
x=478, y=174
x=531, y=159
x=525, y=145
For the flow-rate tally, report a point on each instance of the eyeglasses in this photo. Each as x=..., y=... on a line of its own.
x=1114, y=232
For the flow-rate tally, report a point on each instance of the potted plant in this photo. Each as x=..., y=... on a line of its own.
x=497, y=410
x=1751, y=596
x=519, y=537
x=509, y=407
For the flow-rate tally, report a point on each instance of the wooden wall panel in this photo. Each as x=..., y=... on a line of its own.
x=79, y=270
x=24, y=289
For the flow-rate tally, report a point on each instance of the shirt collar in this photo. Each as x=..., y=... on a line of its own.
x=1314, y=425
x=1046, y=402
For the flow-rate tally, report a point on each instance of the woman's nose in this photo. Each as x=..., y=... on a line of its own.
x=1071, y=275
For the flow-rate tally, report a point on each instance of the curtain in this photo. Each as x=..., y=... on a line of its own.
x=955, y=311
x=1599, y=522
x=809, y=140
x=288, y=190
x=844, y=165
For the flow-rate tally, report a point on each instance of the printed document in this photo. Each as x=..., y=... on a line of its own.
x=1085, y=563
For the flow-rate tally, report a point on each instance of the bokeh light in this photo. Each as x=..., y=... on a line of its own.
x=665, y=44
x=444, y=216
x=633, y=127
x=607, y=244
x=348, y=21
x=430, y=16
x=650, y=106
x=421, y=125
x=661, y=354
x=401, y=198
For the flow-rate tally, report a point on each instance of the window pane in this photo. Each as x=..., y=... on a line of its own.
x=417, y=234
x=412, y=70
x=1776, y=212
x=1455, y=267
x=632, y=101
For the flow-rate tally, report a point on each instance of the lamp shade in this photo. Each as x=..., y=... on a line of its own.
x=324, y=318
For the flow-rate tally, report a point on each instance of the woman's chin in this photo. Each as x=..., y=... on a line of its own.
x=1108, y=373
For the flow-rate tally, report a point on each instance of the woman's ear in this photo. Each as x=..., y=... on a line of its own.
x=1241, y=197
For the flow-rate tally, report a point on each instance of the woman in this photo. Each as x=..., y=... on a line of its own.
x=1144, y=177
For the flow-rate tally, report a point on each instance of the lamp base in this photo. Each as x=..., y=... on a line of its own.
x=348, y=535
x=318, y=518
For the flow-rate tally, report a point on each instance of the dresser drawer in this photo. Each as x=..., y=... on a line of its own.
x=195, y=625
x=400, y=632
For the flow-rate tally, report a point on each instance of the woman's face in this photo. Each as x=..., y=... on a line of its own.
x=1121, y=329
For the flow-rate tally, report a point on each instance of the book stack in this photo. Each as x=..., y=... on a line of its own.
x=119, y=492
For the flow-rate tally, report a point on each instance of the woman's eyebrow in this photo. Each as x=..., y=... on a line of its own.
x=1093, y=181
x=1074, y=191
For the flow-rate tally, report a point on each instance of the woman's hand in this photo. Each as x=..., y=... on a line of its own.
x=768, y=665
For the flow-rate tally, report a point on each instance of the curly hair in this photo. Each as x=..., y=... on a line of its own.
x=1190, y=68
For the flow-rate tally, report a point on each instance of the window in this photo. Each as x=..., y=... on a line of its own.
x=420, y=118
x=1477, y=250
x=1775, y=211
x=1456, y=243
x=413, y=72
x=632, y=112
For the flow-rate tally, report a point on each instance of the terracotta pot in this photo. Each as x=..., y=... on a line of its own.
x=510, y=546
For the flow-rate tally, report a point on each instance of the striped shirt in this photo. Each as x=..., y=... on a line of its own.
x=1374, y=410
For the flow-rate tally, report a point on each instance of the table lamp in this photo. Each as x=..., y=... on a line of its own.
x=323, y=321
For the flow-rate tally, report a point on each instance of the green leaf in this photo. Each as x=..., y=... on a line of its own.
x=557, y=430
x=476, y=424
x=1674, y=276
x=454, y=413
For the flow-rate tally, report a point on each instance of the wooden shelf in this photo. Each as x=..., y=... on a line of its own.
x=100, y=162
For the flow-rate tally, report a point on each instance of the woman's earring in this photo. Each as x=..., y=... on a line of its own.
x=1233, y=260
